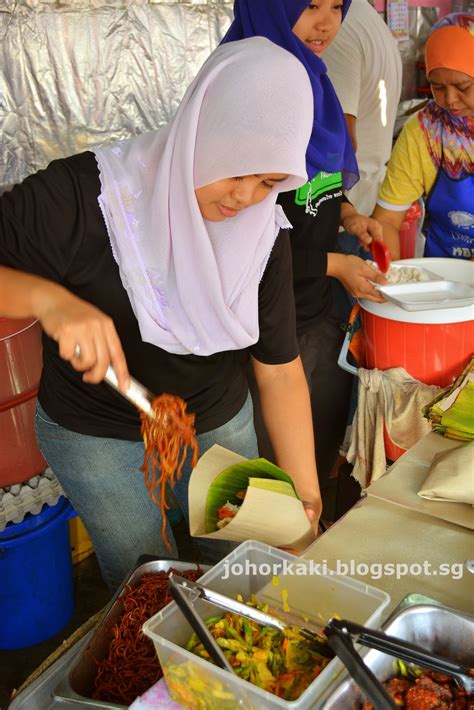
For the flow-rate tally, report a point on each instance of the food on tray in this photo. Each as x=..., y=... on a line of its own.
x=415, y=689
x=228, y=490
x=166, y=435
x=282, y=662
x=131, y=665
x=404, y=274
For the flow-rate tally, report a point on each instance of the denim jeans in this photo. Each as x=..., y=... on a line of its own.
x=101, y=477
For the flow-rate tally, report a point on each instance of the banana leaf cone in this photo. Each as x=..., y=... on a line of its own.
x=230, y=484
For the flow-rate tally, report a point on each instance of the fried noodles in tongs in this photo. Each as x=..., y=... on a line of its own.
x=168, y=431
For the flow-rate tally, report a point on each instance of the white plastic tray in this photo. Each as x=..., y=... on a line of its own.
x=428, y=295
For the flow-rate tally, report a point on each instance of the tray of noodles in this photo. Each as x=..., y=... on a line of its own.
x=119, y=662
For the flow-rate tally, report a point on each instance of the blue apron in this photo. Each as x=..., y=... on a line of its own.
x=450, y=208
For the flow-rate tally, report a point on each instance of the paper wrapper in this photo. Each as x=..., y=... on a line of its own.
x=406, y=477
x=268, y=517
x=451, y=476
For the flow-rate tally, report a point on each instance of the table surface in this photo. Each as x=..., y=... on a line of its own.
x=379, y=532
x=373, y=533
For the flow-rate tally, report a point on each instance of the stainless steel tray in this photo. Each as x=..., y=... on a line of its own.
x=429, y=295
x=422, y=621
x=77, y=685
x=39, y=694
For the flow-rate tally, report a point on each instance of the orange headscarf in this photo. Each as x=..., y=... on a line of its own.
x=450, y=138
x=451, y=44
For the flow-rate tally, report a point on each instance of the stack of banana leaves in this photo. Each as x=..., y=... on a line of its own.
x=450, y=413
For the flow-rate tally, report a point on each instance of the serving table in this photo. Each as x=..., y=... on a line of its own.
x=374, y=532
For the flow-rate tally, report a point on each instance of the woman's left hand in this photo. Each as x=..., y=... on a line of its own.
x=364, y=228
x=313, y=510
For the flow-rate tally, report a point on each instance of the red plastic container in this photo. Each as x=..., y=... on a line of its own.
x=20, y=369
x=409, y=231
x=433, y=346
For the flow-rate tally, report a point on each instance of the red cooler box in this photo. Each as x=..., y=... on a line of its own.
x=433, y=346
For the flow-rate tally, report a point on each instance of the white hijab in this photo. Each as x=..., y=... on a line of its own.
x=193, y=284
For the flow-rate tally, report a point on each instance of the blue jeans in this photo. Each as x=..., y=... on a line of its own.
x=101, y=477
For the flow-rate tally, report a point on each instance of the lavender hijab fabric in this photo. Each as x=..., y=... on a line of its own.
x=330, y=148
x=193, y=284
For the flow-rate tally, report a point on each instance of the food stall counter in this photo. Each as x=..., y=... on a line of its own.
x=377, y=533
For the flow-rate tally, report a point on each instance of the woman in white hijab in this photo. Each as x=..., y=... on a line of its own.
x=163, y=257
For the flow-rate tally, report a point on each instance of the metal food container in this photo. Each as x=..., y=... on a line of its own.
x=79, y=685
x=435, y=628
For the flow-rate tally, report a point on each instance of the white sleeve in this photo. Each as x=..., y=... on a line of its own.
x=344, y=62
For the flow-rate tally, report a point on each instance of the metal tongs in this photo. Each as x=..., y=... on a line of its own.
x=185, y=593
x=197, y=591
x=404, y=650
x=137, y=394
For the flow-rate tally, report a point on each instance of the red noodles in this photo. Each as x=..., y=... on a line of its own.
x=166, y=435
x=131, y=666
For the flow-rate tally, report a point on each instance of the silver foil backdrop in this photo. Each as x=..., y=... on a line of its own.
x=80, y=73
x=76, y=74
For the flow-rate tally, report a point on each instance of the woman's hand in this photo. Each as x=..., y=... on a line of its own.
x=85, y=335
x=354, y=273
x=364, y=228
x=313, y=510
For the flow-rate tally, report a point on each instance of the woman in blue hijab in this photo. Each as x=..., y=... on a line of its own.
x=330, y=148
x=306, y=28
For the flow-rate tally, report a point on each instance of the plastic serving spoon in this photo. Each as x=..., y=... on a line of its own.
x=381, y=254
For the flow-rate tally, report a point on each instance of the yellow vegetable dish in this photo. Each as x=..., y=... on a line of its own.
x=282, y=663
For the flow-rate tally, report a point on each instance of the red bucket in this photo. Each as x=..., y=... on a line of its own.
x=433, y=346
x=20, y=370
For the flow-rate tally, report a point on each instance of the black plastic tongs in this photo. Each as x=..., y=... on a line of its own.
x=185, y=593
x=340, y=642
x=404, y=650
x=176, y=586
x=196, y=591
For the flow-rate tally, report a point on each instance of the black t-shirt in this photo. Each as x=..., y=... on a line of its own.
x=313, y=235
x=51, y=226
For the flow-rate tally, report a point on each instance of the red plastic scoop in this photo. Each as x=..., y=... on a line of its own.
x=381, y=254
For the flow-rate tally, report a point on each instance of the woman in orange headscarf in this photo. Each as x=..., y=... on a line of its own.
x=434, y=154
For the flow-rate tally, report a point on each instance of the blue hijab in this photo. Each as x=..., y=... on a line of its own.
x=330, y=148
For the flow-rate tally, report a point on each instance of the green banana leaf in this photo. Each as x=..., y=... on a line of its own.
x=259, y=472
x=459, y=415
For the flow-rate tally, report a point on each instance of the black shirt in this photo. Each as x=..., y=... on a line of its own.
x=313, y=235
x=51, y=226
